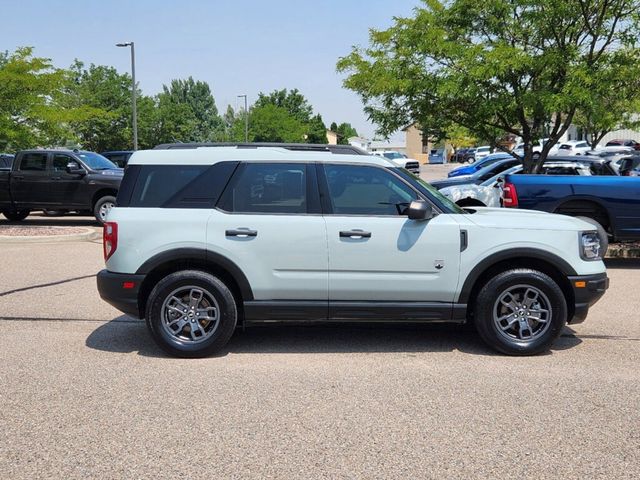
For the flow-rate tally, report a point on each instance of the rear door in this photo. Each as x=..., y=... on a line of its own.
x=269, y=223
x=30, y=183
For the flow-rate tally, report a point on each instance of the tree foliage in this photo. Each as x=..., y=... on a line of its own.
x=31, y=112
x=270, y=123
x=291, y=100
x=521, y=67
x=317, y=130
x=345, y=131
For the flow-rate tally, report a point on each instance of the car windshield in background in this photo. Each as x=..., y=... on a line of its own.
x=96, y=161
x=393, y=155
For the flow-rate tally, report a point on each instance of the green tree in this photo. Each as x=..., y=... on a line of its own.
x=197, y=96
x=317, y=130
x=107, y=96
x=333, y=127
x=174, y=122
x=345, y=131
x=270, y=123
x=521, y=67
x=292, y=101
x=32, y=112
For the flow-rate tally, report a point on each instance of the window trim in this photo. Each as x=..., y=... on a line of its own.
x=312, y=194
x=325, y=195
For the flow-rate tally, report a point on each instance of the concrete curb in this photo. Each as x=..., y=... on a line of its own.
x=622, y=251
x=86, y=236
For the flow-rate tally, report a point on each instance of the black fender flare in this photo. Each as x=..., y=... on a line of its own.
x=201, y=255
x=511, y=254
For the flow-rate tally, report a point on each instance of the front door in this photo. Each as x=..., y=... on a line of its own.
x=68, y=190
x=269, y=224
x=376, y=254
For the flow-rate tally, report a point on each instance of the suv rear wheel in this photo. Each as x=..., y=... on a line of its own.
x=191, y=314
x=520, y=312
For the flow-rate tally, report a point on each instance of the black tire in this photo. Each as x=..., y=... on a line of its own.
x=16, y=215
x=100, y=209
x=175, y=342
x=487, y=303
x=602, y=234
x=54, y=213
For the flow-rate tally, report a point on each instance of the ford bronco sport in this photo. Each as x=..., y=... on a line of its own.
x=204, y=239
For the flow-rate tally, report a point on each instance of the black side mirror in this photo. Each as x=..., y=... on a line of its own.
x=74, y=168
x=420, y=210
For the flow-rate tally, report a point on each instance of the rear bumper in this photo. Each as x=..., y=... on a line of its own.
x=116, y=290
x=587, y=295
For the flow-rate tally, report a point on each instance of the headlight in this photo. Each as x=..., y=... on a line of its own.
x=589, y=246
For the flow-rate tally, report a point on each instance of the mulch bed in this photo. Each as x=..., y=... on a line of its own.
x=32, y=231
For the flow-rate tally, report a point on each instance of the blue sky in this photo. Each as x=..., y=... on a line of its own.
x=242, y=46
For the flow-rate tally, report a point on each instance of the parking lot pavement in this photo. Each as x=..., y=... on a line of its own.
x=84, y=393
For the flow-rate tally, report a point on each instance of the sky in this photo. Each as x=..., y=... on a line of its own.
x=238, y=47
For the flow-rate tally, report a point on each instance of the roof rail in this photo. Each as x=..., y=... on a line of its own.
x=299, y=147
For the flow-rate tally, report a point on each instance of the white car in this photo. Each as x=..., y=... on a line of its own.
x=572, y=147
x=536, y=147
x=482, y=152
x=205, y=239
x=401, y=160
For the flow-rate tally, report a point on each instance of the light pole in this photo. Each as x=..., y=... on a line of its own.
x=246, y=119
x=133, y=91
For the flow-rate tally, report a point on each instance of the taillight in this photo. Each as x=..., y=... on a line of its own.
x=509, y=195
x=109, y=239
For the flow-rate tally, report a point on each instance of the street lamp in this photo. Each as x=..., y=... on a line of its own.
x=133, y=91
x=246, y=119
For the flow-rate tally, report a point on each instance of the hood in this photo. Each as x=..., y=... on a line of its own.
x=460, y=179
x=457, y=172
x=525, y=219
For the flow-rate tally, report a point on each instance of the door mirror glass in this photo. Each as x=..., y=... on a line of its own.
x=75, y=168
x=419, y=210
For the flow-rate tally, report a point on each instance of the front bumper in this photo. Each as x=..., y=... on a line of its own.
x=121, y=291
x=587, y=290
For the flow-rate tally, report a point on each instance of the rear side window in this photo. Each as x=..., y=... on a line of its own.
x=33, y=162
x=175, y=186
x=267, y=188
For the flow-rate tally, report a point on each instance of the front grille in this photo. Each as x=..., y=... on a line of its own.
x=412, y=165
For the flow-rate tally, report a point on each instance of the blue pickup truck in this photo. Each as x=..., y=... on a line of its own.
x=612, y=201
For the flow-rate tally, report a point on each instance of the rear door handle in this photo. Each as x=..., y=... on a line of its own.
x=241, y=232
x=356, y=233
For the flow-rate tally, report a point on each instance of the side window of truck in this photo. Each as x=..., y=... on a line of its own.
x=61, y=161
x=33, y=162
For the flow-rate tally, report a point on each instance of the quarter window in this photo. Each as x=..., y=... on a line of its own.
x=267, y=188
x=364, y=190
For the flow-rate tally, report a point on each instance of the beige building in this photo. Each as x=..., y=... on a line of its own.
x=416, y=146
x=332, y=137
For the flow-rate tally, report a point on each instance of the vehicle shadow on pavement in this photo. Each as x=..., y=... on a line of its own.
x=71, y=221
x=125, y=335
x=625, y=263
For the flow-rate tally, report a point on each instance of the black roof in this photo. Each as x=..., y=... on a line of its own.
x=301, y=147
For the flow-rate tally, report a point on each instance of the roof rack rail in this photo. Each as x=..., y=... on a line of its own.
x=299, y=147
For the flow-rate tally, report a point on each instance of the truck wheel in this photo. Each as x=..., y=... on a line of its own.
x=602, y=234
x=191, y=314
x=520, y=312
x=16, y=215
x=102, y=207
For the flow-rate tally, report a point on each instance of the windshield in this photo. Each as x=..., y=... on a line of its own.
x=431, y=191
x=96, y=162
x=393, y=155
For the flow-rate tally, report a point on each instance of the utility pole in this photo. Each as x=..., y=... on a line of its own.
x=246, y=119
x=133, y=91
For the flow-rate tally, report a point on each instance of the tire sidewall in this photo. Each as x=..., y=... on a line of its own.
x=496, y=287
x=99, y=203
x=227, y=311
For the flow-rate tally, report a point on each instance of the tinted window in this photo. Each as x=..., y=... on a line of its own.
x=267, y=188
x=176, y=186
x=363, y=190
x=34, y=162
x=60, y=162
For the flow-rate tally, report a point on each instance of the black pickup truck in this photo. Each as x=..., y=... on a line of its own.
x=60, y=180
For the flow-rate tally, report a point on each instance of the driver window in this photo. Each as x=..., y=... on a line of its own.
x=365, y=190
x=60, y=162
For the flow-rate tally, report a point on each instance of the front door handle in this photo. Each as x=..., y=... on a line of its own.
x=241, y=232
x=356, y=233
x=17, y=177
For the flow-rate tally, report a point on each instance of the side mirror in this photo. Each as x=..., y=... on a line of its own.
x=420, y=210
x=498, y=183
x=74, y=168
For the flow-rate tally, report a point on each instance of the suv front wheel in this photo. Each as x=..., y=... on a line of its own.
x=191, y=314
x=520, y=312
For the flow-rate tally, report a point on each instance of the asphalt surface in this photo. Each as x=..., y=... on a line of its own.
x=85, y=393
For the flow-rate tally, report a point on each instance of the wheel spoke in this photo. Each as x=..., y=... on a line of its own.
x=195, y=296
x=524, y=329
x=175, y=309
x=195, y=328
x=530, y=297
x=522, y=313
x=512, y=319
x=209, y=314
